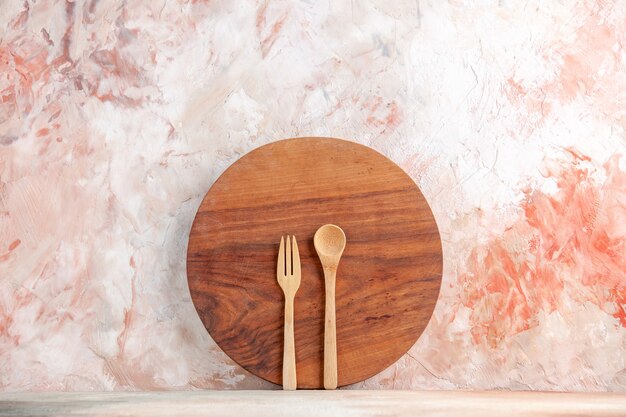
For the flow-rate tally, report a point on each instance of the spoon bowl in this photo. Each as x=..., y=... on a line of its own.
x=330, y=241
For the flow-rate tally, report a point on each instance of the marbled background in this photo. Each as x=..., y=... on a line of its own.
x=117, y=116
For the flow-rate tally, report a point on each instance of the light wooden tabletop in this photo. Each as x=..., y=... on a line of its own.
x=342, y=403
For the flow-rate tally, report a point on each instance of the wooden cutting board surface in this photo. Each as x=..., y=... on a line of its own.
x=388, y=279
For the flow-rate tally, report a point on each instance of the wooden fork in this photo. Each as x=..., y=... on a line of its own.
x=288, y=275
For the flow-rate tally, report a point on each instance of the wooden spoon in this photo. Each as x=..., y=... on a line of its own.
x=330, y=242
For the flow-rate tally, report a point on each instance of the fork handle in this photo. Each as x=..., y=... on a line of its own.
x=330, y=331
x=289, y=350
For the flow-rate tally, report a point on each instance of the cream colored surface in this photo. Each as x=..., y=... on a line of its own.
x=318, y=403
x=116, y=117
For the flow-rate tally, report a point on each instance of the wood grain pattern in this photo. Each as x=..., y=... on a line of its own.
x=388, y=279
x=340, y=403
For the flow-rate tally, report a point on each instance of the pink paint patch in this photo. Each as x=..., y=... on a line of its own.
x=381, y=115
x=572, y=241
x=587, y=65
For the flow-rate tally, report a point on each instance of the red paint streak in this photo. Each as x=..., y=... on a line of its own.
x=60, y=319
x=260, y=16
x=5, y=323
x=619, y=298
x=22, y=65
x=575, y=244
x=577, y=155
x=67, y=36
x=128, y=319
x=29, y=61
x=267, y=40
x=22, y=298
x=44, y=148
x=42, y=132
x=120, y=99
x=4, y=257
x=14, y=244
x=46, y=37
x=113, y=64
x=21, y=19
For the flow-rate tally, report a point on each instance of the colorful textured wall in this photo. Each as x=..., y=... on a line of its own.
x=116, y=117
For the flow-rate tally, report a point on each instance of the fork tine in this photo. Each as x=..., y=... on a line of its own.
x=280, y=266
x=288, y=256
x=296, y=256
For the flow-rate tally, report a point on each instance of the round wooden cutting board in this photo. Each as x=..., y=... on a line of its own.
x=388, y=279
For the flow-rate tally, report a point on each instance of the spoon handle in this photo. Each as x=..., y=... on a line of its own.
x=330, y=331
